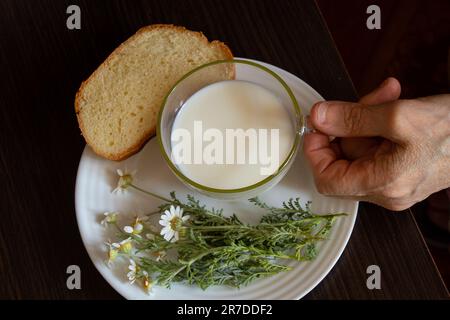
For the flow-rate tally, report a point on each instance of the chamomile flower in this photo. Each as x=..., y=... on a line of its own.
x=172, y=221
x=124, y=246
x=125, y=180
x=113, y=251
x=148, y=283
x=131, y=275
x=135, y=228
x=110, y=217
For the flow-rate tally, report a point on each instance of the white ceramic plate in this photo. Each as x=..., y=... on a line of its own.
x=97, y=178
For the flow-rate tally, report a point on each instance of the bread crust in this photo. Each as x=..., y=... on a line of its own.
x=152, y=130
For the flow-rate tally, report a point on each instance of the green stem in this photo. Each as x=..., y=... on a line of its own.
x=172, y=201
x=150, y=193
x=216, y=216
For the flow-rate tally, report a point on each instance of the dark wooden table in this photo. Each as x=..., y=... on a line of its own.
x=42, y=64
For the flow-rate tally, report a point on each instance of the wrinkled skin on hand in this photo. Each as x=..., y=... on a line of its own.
x=387, y=151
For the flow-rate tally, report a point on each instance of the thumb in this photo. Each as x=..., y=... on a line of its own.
x=344, y=119
x=348, y=119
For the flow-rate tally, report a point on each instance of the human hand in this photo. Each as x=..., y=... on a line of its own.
x=388, y=151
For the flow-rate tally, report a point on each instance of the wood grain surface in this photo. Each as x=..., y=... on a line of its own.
x=42, y=65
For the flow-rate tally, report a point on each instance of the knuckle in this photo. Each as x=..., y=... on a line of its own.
x=396, y=191
x=394, y=206
x=353, y=118
x=388, y=193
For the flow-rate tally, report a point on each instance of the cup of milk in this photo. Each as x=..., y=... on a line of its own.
x=230, y=129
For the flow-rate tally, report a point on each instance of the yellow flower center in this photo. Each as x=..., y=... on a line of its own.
x=126, y=247
x=147, y=284
x=125, y=181
x=175, y=223
x=112, y=254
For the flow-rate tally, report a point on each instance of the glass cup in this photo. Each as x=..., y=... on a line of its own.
x=219, y=71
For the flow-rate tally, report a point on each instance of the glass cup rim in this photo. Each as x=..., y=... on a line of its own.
x=197, y=185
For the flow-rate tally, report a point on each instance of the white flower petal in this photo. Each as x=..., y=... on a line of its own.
x=169, y=215
x=166, y=237
x=138, y=227
x=165, y=230
x=120, y=172
x=185, y=218
x=171, y=232
x=169, y=235
x=117, y=190
x=179, y=210
x=128, y=229
x=125, y=241
x=164, y=222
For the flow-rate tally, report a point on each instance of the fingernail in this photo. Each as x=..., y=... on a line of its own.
x=322, y=113
x=309, y=127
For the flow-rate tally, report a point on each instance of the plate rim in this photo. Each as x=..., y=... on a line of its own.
x=319, y=278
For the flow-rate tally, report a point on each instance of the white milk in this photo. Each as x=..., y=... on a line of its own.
x=232, y=105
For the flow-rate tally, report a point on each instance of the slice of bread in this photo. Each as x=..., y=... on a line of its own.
x=117, y=107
